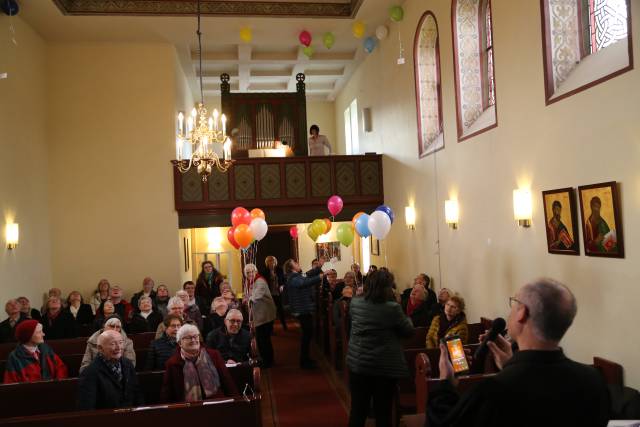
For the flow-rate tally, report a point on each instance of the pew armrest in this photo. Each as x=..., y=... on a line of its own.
x=423, y=372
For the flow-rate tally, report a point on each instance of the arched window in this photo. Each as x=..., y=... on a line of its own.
x=473, y=57
x=426, y=59
x=585, y=42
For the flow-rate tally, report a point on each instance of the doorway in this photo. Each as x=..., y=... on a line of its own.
x=278, y=243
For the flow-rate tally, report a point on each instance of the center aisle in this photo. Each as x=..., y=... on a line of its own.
x=299, y=397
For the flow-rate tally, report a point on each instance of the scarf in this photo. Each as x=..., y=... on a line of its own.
x=411, y=307
x=445, y=324
x=115, y=367
x=201, y=379
x=41, y=356
x=209, y=279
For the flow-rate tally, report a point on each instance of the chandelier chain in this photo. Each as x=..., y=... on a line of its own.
x=199, y=33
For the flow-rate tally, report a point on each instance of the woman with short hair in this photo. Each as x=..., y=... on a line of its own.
x=112, y=323
x=452, y=322
x=146, y=319
x=191, y=312
x=81, y=312
x=57, y=323
x=161, y=300
x=100, y=295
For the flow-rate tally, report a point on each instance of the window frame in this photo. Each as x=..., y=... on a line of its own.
x=547, y=60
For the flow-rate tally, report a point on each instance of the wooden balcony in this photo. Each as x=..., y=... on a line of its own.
x=289, y=189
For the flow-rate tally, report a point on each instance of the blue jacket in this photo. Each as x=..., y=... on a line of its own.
x=301, y=291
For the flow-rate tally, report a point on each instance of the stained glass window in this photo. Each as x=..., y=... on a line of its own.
x=491, y=89
x=607, y=22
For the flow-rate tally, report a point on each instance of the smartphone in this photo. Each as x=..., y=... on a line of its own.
x=456, y=354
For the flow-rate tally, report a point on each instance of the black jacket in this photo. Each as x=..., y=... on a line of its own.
x=98, y=388
x=139, y=324
x=160, y=351
x=7, y=333
x=84, y=316
x=63, y=326
x=136, y=297
x=236, y=347
x=535, y=388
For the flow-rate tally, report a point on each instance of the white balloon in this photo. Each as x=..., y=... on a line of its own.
x=379, y=224
x=382, y=32
x=259, y=228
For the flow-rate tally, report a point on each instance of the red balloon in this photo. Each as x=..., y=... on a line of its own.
x=305, y=38
x=293, y=231
x=240, y=216
x=231, y=238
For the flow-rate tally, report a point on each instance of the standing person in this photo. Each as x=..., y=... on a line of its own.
x=355, y=268
x=207, y=286
x=147, y=291
x=58, y=324
x=263, y=311
x=161, y=300
x=32, y=360
x=301, y=299
x=318, y=144
x=8, y=326
x=102, y=294
x=375, y=357
x=538, y=385
x=275, y=277
x=82, y=313
x=30, y=313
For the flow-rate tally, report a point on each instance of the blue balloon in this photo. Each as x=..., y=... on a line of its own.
x=386, y=209
x=369, y=44
x=362, y=225
x=9, y=7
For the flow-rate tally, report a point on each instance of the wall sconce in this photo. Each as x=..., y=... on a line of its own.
x=452, y=213
x=13, y=234
x=410, y=217
x=522, y=207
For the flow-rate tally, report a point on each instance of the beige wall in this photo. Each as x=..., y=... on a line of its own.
x=25, y=270
x=111, y=114
x=322, y=114
x=589, y=138
x=307, y=249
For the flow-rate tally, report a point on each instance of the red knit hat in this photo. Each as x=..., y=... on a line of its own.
x=25, y=330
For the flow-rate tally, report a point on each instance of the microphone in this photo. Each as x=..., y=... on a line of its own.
x=480, y=355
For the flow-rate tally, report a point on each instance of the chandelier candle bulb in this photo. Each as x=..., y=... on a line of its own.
x=215, y=118
x=224, y=124
x=189, y=124
x=180, y=122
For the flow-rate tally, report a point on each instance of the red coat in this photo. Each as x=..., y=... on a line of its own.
x=23, y=367
x=173, y=382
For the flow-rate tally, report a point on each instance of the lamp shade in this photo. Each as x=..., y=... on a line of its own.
x=451, y=211
x=12, y=234
x=522, y=204
x=410, y=217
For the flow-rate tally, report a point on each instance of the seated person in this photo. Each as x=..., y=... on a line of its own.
x=110, y=381
x=32, y=360
x=332, y=285
x=452, y=322
x=194, y=299
x=416, y=307
x=232, y=340
x=8, y=326
x=105, y=310
x=112, y=323
x=195, y=373
x=145, y=320
x=430, y=297
x=81, y=312
x=162, y=349
x=147, y=291
x=161, y=300
x=227, y=293
x=53, y=292
x=30, y=313
x=58, y=324
x=123, y=308
x=347, y=294
x=176, y=307
x=191, y=312
x=538, y=385
x=219, y=310
x=100, y=295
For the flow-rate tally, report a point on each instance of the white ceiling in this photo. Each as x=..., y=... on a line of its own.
x=268, y=63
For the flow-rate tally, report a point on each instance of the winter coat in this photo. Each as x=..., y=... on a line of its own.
x=262, y=305
x=63, y=326
x=7, y=332
x=461, y=329
x=91, y=351
x=136, y=298
x=235, y=347
x=84, y=316
x=301, y=291
x=22, y=365
x=160, y=351
x=139, y=324
x=98, y=388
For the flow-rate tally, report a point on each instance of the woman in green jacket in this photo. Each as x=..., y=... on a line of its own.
x=375, y=358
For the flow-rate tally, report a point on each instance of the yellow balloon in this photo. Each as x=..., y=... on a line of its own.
x=246, y=35
x=358, y=29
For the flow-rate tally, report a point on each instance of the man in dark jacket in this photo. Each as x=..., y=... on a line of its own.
x=8, y=326
x=162, y=349
x=110, y=381
x=539, y=385
x=232, y=340
x=301, y=292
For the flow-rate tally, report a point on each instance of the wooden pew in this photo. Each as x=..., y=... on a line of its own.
x=418, y=340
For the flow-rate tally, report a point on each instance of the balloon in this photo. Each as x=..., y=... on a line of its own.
x=344, y=233
x=311, y=232
x=232, y=239
x=362, y=225
x=243, y=235
x=358, y=29
x=258, y=228
x=396, y=13
x=257, y=213
x=369, y=44
x=328, y=225
x=240, y=216
x=379, y=224
x=328, y=39
x=246, y=35
x=335, y=204
x=382, y=32
x=355, y=218
x=319, y=226
x=308, y=51
x=305, y=38
x=386, y=209
x=293, y=232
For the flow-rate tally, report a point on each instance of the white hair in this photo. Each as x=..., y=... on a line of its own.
x=174, y=301
x=112, y=321
x=234, y=311
x=250, y=267
x=182, y=292
x=187, y=329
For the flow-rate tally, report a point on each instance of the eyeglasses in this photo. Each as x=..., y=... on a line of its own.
x=514, y=299
x=238, y=321
x=192, y=338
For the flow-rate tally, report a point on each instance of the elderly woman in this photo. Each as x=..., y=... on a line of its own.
x=436, y=309
x=147, y=291
x=146, y=320
x=8, y=326
x=274, y=276
x=112, y=323
x=219, y=308
x=25, y=307
x=263, y=312
x=162, y=349
x=227, y=293
x=100, y=295
x=195, y=373
x=416, y=307
x=161, y=300
x=191, y=312
x=105, y=310
x=32, y=360
x=81, y=312
x=452, y=322
x=176, y=307
x=57, y=323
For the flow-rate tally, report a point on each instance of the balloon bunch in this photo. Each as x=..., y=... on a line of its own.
x=396, y=14
x=378, y=224
x=247, y=227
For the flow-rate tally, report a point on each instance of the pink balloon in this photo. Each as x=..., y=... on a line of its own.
x=334, y=204
x=305, y=38
x=293, y=231
x=240, y=216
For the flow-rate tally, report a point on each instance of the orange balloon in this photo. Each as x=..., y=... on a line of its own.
x=243, y=235
x=257, y=213
x=355, y=218
x=328, y=224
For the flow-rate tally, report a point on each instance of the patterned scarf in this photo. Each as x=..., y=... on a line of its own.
x=115, y=367
x=201, y=379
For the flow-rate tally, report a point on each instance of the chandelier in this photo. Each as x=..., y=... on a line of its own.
x=208, y=140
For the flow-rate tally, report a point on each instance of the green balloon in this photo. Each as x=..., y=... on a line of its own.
x=328, y=40
x=318, y=226
x=311, y=232
x=308, y=51
x=396, y=13
x=344, y=233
